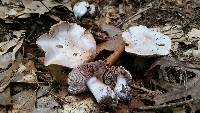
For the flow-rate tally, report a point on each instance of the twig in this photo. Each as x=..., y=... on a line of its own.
x=165, y=105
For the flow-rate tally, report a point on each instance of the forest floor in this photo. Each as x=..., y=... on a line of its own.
x=164, y=84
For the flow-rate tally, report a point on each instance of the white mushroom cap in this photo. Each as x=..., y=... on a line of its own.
x=100, y=90
x=143, y=41
x=67, y=44
x=80, y=8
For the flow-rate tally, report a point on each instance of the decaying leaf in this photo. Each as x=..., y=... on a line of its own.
x=84, y=106
x=179, y=79
x=5, y=98
x=111, y=30
x=5, y=60
x=9, y=75
x=4, y=46
x=27, y=72
x=47, y=102
x=30, y=6
x=43, y=90
x=24, y=102
x=110, y=45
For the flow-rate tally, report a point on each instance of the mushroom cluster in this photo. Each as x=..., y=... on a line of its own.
x=70, y=45
x=106, y=84
x=67, y=44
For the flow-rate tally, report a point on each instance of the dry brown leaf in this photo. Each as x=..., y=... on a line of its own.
x=5, y=98
x=26, y=73
x=44, y=110
x=3, y=109
x=24, y=102
x=43, y=90
x=14, y=8
x=4, y=46
x=110, y=45
x=169, y=71
x=5, y=60
x=57, y=72
x=84, y=106
x=47, y=102
x=9, y=75
x=111, y=30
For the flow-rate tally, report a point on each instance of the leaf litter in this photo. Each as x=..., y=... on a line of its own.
x=159, y=84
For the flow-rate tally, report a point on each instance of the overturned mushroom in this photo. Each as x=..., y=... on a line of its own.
x=78, y=77
x=100, y=91
x=97, y=76
x=67, y=44
x=143, y=41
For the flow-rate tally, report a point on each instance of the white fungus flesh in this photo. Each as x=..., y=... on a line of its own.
x=145, y=42
x=67, y=44
x=122, y=89
x=80, y=8
x=100, y=90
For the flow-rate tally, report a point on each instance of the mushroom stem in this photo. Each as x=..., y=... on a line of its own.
x=100, y=91
x=117, y=45
x=122, y=89
x=112, y=59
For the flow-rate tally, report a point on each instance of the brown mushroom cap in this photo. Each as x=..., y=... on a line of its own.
x=78, y=77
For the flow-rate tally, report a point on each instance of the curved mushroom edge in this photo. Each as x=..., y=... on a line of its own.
x=67, y=44
x=142, y=41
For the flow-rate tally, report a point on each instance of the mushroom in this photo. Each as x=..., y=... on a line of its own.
x=67, y=44
x=102, y=81
x=145, y=42
x=81, y=8
x=78, y=77
x=101, y=91
x=119, y=79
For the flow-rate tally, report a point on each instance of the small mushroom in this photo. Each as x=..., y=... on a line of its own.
x=100, y=91
x=67, y=44
x=145, y=42
x=97, y=77
x=81, y=8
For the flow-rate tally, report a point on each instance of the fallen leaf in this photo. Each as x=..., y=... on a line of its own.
x=24, y=102
x=47, y=102
x=5, y=60
x=4, y=46
x=5, y=98
x=178, y=78
x=8, y=75
x=111, y=30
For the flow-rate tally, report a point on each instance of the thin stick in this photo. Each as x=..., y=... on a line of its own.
x=165, y=105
